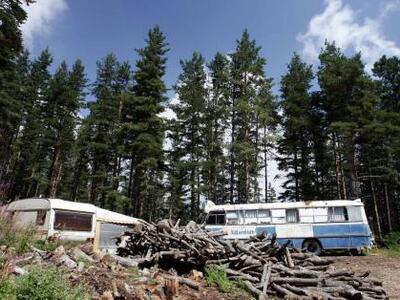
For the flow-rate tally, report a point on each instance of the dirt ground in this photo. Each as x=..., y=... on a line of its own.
x=386, y=269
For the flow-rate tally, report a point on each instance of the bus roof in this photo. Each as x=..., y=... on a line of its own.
x=210, y=206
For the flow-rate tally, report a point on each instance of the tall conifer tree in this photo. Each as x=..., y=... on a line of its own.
x=295, y=145
x=145, y=128
x=190, y=112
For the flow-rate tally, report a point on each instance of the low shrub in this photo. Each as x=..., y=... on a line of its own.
x=14, y=236
x=392, y=242
x=392, y=239
x=8, y=289
x=216, y=275
x=40, y=284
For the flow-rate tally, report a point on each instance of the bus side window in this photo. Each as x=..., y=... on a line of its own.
x=264, y=216
x=250, y=216
x=355, y=213
x=292, y=215
x=337, y=214
x=232, y=217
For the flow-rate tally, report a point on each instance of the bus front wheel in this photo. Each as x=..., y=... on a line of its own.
x=312, y=246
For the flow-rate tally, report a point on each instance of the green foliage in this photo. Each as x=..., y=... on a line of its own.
x=40, y=284
x=190, y=119
x=392, y=239
x=51, y=245
x=296, y=144
x=8, y=289
x=16, y=237
x=216, y=275
x=392, y=244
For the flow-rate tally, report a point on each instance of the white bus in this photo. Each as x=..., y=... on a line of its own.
x=313, y=226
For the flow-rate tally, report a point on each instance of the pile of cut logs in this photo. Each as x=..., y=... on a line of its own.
x=261, y=263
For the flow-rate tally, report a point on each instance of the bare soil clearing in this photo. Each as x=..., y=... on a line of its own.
x=385, y=269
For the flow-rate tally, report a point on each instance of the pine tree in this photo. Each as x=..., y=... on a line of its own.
x=190, y=112
x=144, y=128
x=382, y=151
x=325, y=185
x=247, y=77
x=348, y=102
x=271, y=194
x=177, y=173
x=28, y=175
x=80, y=177
x=10, y=145
x=216, y=124
x=12, y=16
x=294, y=147
x=103, y=128
x=61, y=110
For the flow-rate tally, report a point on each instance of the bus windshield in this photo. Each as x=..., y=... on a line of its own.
x=216, y=218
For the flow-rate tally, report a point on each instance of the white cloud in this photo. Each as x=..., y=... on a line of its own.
x=41, y=14
x=338, y=22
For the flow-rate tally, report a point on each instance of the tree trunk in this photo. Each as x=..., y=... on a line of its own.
x=296, y=176
x=265, y=166
x=377, y=218
x=389, y=218
x=232, y=158
x=335, y=154
x=55, y=172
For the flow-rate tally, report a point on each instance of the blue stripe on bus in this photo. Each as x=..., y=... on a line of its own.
x=333, y=243
x=333, y=230
x=331, y=236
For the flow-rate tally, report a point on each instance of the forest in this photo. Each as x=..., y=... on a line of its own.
x=334, y=129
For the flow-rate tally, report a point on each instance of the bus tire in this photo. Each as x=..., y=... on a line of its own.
x=312, y=246
x=356, y=252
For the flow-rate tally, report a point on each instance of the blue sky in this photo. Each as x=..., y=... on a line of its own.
x=89, y=30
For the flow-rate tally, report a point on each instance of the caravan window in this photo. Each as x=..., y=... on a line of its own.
x=337, y=214
x=216, y=218
x=292, y=215
x=72, y=221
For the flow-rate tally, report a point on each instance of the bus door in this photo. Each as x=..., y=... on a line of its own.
x=339, y=230
x=294, y=227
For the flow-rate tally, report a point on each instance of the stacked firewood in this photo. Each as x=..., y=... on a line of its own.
x=261, y=263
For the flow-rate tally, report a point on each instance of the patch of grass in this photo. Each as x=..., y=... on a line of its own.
x=16, y=237
x=239, y=291
x=133, y=273
x=391, y=246
x=85, y=261
x=216, y=275
x=8, y=289
x=51, y=245
x=389, y=252
x=40, y=284
x=152, y=281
